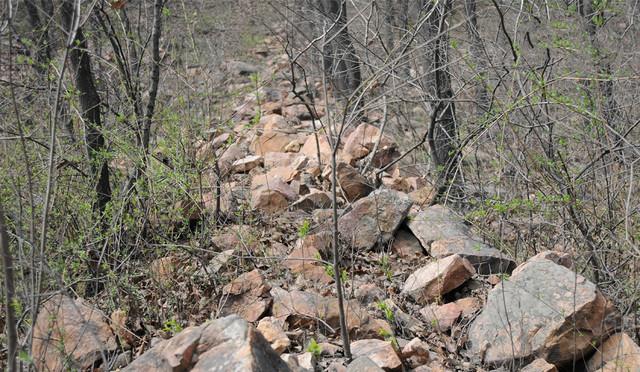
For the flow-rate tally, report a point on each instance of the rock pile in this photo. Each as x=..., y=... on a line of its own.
x=426, y=305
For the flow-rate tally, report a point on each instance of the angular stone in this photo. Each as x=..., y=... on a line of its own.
x=231, y=344
x=617, y=353
x=485, y=259
x=299, y=187
x=321, y=241
x=406, y=245
x=380, y=352
x=423, y=196
x=179, y=350
x=280, y=159
x=293, y=146
x=356, y=315
x=69, y=334
x=272, y=330
x=270, y=195
x=541, y=300
x=539, y=365
x=374, y=219
x=353, y=184
x=299, y=112
x=560, y=258
x=314, y=200
x=271, y=108
x=292, y=362
x=416, y=353
x=220, y=140
x=271, y=182
x=437, y=278
x=468, y=305
x=303, y=260
x=402, y=319
x=248, y=296
x=275, y=136
x=369, y=293
x=372, y=328
x=247, y=164
x=395, y=183
x=363, y=364
x=362, y=141
x=307, y=360
x=436, y=223
x=310, y=149
x=215, y=264
x=339, y=367
x=287, y=174
x=303, y=308
x=269, y=201
x=441, y=317
x=228, y=155
x=297, y=308
x=303, y=255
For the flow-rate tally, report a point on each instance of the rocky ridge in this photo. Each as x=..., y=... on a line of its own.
x=423, y=291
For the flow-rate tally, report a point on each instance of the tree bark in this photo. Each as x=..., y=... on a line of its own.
x=340, y=61
x=443, y=136
x=90, y=105
x=40, y=34
x=476, y=50
x=610, y=111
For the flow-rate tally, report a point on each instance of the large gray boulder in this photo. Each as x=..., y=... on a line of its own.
x=543, y=311
x=375, y=218
x=436, y=223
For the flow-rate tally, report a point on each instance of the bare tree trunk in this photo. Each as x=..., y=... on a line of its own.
x=7, y=264
x=443, y=136
x=340, y=61
x=430, y=32
x=90, y=106
x=610, y=111
x=40, y=33
x=396, y=21
x=476, y=49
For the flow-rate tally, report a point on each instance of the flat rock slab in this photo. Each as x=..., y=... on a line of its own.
x=485, y=259
x=374, y=219
x=531, y=315
x=380, y=352
x=437, y=223
x=248, y=163
x=437, y=278
x=304, y=308
x=69, y=334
